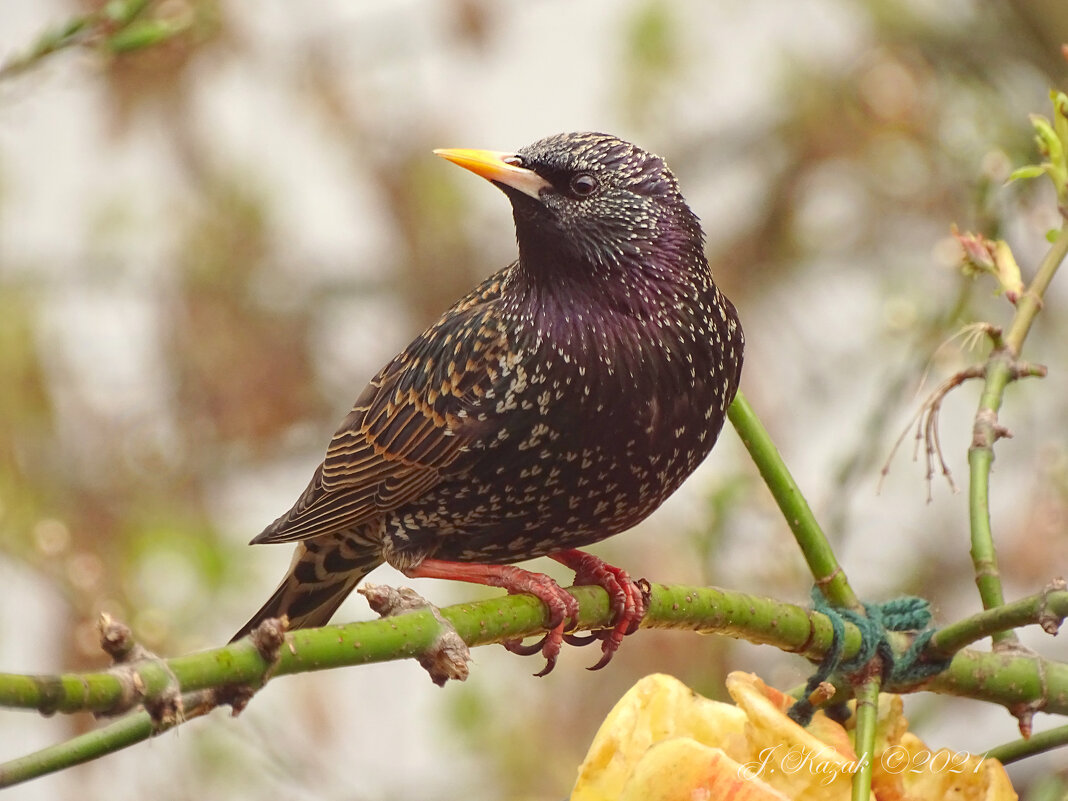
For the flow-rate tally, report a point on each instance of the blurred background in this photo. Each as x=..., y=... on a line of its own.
x=208, y=246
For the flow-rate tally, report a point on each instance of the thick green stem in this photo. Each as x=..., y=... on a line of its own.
x=702, y=609
x=815, y=547
x=1002, y=678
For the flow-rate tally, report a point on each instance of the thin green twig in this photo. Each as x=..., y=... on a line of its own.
x=129, y=730
x=1035, y=744
x=1001, y=368
x=828, y=573
x=1047, y=609
x=867, y=695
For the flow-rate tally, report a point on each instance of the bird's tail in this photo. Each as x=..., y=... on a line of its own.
x=323, y=573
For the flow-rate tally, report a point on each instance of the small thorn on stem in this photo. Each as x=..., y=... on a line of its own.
x=1025, y=716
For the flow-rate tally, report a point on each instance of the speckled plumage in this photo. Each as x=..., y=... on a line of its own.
x=557, y=404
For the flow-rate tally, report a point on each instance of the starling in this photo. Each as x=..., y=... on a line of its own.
x=559, y=403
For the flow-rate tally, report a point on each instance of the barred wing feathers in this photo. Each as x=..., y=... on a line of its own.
x=415, y=424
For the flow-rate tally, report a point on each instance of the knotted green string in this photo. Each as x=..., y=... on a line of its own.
x=907, y=613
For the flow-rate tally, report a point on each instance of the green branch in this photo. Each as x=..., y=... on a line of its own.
x=828, y=573
x=232, y=672
x=1030, y=303
x=705, y=610
x=1047, y=609
x=1035, y=744
x=867, y=721
x=129, y=730
x=1002, y=368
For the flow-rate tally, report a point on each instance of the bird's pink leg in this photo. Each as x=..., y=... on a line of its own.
x=561, y=604
x=626, y=597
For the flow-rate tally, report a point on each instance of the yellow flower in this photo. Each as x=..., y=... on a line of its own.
x=663, y=742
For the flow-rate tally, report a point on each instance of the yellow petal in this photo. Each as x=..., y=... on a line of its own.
x=792, y=759
x=657, y=708
x=910, y=771
x=681, y=769
x=663, y=742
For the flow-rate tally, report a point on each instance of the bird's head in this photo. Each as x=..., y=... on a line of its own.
x=591, y=202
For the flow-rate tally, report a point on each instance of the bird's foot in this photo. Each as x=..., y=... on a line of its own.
x=562, y=608
x=626, y=596
x=561, y=605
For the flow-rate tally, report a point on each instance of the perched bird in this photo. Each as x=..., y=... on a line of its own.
x=557, y=404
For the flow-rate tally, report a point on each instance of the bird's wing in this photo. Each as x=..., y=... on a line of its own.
x=417, y=421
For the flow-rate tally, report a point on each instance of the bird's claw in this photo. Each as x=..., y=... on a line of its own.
x=544, y=646
x=581, y=640
x=516, y=646
x=629, y=599
x=563, y=610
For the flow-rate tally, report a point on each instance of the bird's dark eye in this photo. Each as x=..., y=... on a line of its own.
x=583, y=185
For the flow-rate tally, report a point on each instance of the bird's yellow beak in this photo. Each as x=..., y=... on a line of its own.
x=498, y=167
